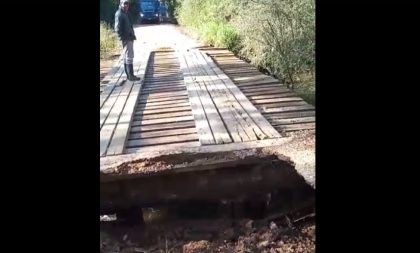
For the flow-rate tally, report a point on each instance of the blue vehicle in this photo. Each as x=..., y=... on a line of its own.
x=149, y=10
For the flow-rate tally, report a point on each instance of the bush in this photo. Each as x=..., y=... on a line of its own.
x=280, y=35
x=109, y=42
x=276, y=35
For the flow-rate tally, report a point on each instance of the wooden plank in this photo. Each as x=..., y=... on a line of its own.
x=165, y=110
x=288, y=109
x=146, y=99
x=159, y=84
x=163, y=115
x=254, y=79
x=116, y=78
x=269, y=96
x=241, y=70
x=170, y=102
x=235, y=116
x=245, y=103
x=116, y=145
x=105, y=94
x=165, y=88
x=162, y=140
x=149, y=107
x=239, y=73
x=205, y=134
x=137, y=122
x=282, y=104
x=296, y=127
x=276, y=122
x=107, y=106
x=164, y=95
x=111, y=122
x=276, y=100
x=167, y=91
x=256, y=93
x=160, y=148
x=149, y=152
x=241, y=84
x=235, y=131
x=172, y=71
x=261, y=87
x=163, y=79
x=167, y=126
x=162, y=133
x=249, y=126
x=155, y=91
x=218, y=129
x=118, y=64
x=123, y=127
x=286, y=115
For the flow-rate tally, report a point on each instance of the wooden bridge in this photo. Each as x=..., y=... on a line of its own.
x=199, y=99
x=210, y=107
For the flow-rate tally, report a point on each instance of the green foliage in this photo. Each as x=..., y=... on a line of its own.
x=107, y=9
x=277, y=35
x=210, y=19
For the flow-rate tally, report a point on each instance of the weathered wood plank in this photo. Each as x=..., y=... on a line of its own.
x=108, y=105
x=146, y=107
x=146, y=99
x=261, y=82
x=220, y=133
x=276, y=122
x=165, y=147
x=283, y=104
x=235, y=131
x=123, y=127
x=163, y=133
x=245, y=103
x=276, y=100
x=162, y=140
x=287, y=109
x=164, y=95
x=111, y=122
x=164, y=126
x=138, y=122
x=272, y=92
x=269, y=96
x=163, y=115
x=296, y=127
x=286, y=115
x=261, y=87
x=113, y=81
x=165, y=110
x=160, y=103
x=247, y=129
x=205, y=134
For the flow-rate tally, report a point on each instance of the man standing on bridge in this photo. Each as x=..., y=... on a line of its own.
x=125, y=31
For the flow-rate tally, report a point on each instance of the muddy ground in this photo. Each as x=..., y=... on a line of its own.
x=193, y=236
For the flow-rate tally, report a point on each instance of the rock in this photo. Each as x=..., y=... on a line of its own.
x=249, y=224
x=196, y=247
x=273, y=226
x=228, y=234
x=262, y=244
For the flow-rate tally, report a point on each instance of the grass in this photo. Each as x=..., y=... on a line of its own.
x=305, y=87
x=109, y=43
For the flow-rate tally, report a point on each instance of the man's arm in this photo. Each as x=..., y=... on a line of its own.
x=119, y=26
